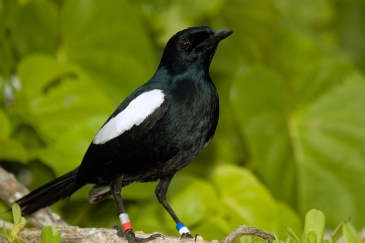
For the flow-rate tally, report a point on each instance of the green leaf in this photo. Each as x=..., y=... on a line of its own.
x=29, y=139
x=258, y=23
x=349, y=31
x=50, y=235
x=330, y=143
x=285, y=211
x=106, y=216
x=194, y=201
x=11, y=150
x=277, y=239
x=321, y=12
x=181, y=14
x=67, y=152
x=4, y=125
x=316, y=140
x=108, y=42
x=258, y=240
x=314, y=224
x=5, y=216
x=6, y=233
x=350, y=234
x=17, y=213
x=263, y=122
x=292, y=235
x=213, y=227
x=311, y=237
x=246, y=200
x=7, y=61
x=139, y=191
x=150, y=216
x=17, y=240
x=35, y=27
x=19, y=221
x=337, y=233
x=57, y=97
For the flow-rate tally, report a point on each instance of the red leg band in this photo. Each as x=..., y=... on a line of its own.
x=127, y=226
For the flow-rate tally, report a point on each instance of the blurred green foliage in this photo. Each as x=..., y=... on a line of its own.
x=11, y=234
x=291, y=135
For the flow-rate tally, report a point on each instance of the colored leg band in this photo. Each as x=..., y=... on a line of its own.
x=181, y=227
x=124, y=219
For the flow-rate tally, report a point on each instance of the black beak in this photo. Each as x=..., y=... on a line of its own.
x=218, y=36
x=222, y=34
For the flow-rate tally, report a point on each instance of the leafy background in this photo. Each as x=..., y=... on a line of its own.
x=291, y=135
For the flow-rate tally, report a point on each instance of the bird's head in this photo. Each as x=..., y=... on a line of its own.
x=192, y=46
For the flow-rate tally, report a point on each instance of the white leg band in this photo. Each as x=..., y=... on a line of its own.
x=184, y=230
x=124, y=218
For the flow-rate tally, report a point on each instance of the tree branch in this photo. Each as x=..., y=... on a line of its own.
x=241, y=231
x=12, y=190
x=72, y=234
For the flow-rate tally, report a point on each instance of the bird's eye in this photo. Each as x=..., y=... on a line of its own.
x=184, y=44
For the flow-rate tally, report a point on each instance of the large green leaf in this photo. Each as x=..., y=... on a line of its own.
x=193, y=201
x=329, y=138
x=310, y=12
x=258, y=99
x=11, y=150
x=148, y=217
x=257, y=33
x=107, y=41
x=139, y=191
x=7, y=61
x=349, y=30
x=35, y=27
x=167, y=17
x=247, y=201
x=4, y=126
x=67, y=152
x=56, y=97
x=268, y=33
x=310, y=146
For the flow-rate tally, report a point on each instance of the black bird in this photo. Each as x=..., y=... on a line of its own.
x=155, y=132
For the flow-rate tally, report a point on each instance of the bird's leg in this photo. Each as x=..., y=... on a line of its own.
x=161, y=191
x=116, y=186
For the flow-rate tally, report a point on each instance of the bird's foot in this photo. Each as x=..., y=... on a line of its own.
x=131, y=237
x=186, y=236
x=120, y=232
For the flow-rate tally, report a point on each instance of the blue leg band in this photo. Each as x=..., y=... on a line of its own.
x=181, y=227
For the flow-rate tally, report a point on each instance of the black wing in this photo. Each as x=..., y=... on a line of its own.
x=134, y=152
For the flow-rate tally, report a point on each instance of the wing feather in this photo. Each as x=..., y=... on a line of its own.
x=103, y=161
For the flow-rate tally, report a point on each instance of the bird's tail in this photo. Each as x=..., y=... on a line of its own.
x=50, y=193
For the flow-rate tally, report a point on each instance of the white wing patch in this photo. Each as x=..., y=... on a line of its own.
x=134, y=114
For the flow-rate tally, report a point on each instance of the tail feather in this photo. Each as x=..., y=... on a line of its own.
x=50, y=193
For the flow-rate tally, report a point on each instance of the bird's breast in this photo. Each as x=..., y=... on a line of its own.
x=193, y=113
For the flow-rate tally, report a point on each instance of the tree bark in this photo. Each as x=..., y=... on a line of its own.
x=71, y=234
x=11, y=190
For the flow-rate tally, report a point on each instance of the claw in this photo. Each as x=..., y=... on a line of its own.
x=198, y=238
x=120, y=232
x=186, y=236
x=131, y=237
